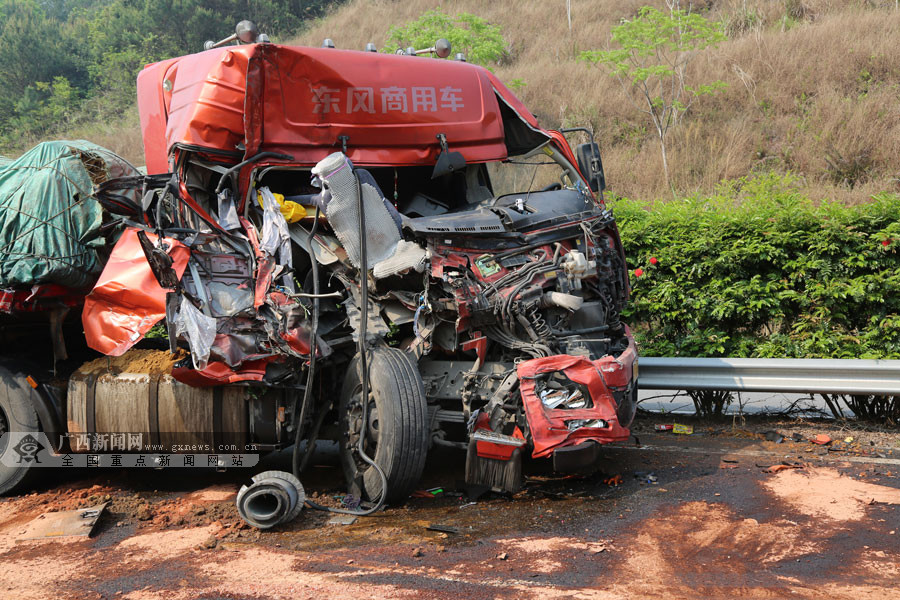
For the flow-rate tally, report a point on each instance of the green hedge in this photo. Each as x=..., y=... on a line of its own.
x=758, y=270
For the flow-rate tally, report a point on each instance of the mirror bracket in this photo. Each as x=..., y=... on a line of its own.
x=447, y=162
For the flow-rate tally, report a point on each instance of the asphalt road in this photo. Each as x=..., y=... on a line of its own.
x=693, y=517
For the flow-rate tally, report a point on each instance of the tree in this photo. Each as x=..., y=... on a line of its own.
x=480, y=41
x=30, y=47
x=651, y=64
x=58, y=55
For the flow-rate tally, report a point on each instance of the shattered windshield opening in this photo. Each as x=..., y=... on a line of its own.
x=526, y=175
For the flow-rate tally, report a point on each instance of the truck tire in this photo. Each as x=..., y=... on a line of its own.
x=397, y=432
x=16, y=414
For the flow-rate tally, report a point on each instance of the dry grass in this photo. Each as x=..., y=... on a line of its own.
x=812, y=88
x=121, y=134
x=807, y=80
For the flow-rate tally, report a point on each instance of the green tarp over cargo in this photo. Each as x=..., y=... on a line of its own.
x=49, y=222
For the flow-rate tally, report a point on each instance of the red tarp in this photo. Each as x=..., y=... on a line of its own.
x=127, y=300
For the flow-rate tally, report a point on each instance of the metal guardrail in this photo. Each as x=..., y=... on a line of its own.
x=805, y=376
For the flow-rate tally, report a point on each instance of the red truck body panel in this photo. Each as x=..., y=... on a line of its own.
x=300, y=101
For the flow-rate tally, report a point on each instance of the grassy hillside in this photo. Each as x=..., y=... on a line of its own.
x=121, y=134
x=812, y=88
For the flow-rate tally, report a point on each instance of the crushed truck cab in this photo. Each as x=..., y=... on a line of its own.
x=385, y=250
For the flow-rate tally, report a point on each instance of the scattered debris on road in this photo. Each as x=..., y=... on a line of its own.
x=774, y=436
x=559, y=531
x=442, y=528
x=431, y=493
x=613, y=481
x=75, y=523
x=781, y=467
x=274, y=498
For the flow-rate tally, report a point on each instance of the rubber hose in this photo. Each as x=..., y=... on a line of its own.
x=363, y=366
x=314, y=350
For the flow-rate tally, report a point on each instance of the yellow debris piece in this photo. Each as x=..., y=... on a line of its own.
x=291, y=211
x=683, y=429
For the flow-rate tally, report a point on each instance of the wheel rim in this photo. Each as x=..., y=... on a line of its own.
x=4, y=429
x=355, y=425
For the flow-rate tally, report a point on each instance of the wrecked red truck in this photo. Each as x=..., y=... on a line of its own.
x=382, y=250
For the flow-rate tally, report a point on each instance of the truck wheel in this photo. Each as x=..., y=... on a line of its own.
x=396, y=435
x=17, y=414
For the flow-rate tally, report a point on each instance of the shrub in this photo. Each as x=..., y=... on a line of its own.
x=710, y=403
x=480, y=41
x=881, y=409
x=758, y=270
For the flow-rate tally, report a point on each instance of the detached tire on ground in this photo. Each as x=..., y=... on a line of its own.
x=397, y=431
x=16, y=414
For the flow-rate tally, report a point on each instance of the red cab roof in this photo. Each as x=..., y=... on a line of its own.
x=241, y=100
